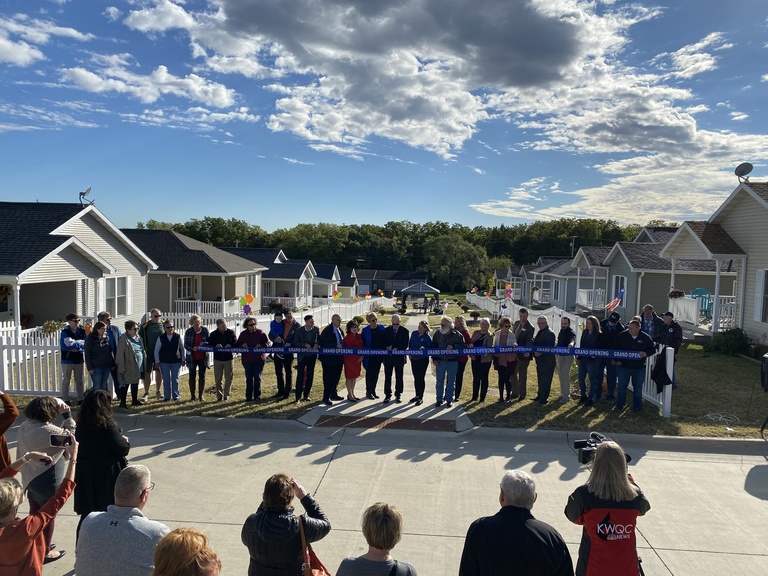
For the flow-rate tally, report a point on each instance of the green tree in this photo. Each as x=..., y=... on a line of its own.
x=454, y=263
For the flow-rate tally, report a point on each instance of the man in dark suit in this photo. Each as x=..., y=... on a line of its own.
x=545, y=363
x=524, y=337
x=395, y=338
x=333, y=364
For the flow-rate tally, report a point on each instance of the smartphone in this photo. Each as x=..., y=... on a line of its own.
x=59, y=440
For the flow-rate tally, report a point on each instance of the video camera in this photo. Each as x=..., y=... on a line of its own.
x=586, y=448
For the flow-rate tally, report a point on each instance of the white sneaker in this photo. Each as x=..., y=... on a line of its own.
x=146, y=396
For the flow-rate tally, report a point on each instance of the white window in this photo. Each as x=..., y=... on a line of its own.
x=619, y=284
x=266, y=288
x=761, y=296
x=183, y=287
x=116, y=296
x=251, y=284
x=556, y=290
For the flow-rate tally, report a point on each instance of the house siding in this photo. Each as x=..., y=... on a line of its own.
x=620, y=267
x=688, y=247
x=49, y=301
x=112, y=249
x=69, y=264
x=746, y=222
x=158, y=292
x=655, y=288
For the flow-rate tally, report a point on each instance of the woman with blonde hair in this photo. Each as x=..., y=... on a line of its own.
x=607, y=507
x=382, y=528
x=196, y=336
x=185, y=552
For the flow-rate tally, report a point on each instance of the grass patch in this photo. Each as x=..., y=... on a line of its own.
x=709, y=384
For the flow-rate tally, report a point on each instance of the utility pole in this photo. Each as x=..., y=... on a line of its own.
x=573, y=244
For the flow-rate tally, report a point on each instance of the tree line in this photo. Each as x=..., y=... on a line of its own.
x=455, y=256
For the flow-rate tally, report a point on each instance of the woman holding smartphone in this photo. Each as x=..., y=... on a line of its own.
x=40, y=481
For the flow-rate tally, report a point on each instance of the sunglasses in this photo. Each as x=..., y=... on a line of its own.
x=169, y=327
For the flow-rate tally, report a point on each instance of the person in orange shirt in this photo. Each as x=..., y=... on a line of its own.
x=7, y=418
x=22, y=543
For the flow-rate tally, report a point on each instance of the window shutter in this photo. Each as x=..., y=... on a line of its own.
x=759, y=290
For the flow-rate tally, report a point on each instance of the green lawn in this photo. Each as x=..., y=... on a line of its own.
x=710, y=386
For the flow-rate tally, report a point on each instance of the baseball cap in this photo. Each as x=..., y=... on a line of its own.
x=614, y=317
x=668, y=313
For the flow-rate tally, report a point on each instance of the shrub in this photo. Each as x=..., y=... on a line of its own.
x=465, y=307
x=360, y=319
x=53, y=327
x=437, y=310
x=475, y=314
x=731, y=342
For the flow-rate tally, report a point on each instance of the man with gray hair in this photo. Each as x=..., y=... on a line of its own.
x=512, y=541
x=121, y=541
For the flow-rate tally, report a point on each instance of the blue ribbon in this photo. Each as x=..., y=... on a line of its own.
x=427, y=352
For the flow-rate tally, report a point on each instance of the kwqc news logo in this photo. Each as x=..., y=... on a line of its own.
x=606, y=530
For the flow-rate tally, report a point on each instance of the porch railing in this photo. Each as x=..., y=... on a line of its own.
x=516, y=293
x=287, y=301
x=205, y=306
x=688, y=309
x=591, y=299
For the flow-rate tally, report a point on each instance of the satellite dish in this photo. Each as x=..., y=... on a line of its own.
x=742, y=170
x=83, y=195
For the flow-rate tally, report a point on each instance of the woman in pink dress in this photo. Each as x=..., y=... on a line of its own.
x=352, y=364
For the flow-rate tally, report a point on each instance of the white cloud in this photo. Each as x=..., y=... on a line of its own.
x=16, y=128
x=42, y=118
x=112, y=13
x=112, y=75
x=194, y=118
x=18, y=53
x=692, y=60
x=299, y=162
x=739, y=116
x=30, y=32
x=478, y=170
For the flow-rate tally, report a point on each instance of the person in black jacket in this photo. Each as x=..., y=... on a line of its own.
x=545, y=363
x=671, y=334
x=222, y=337
x=635, y=340
x=611, y=327
x=332, y=336
x=272, y=534
x=396, y=337
x=512, y=541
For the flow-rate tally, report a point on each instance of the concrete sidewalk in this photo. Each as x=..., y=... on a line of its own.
x=708, y=512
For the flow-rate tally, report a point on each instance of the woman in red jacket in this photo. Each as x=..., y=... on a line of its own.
x=353, y=365
x=607, y=506
x=22, y=542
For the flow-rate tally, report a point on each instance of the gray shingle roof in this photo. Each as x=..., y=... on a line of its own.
x=759, y=188
x=288, y=270
x=645, y=256
x=26, y=232
x=174, y=252
x=595, y=255
x=717, y=240
x=324, y=271
x=346, y=276
x=264, y=256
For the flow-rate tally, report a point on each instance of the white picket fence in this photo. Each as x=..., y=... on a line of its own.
x=31, y=365
x=494, y=306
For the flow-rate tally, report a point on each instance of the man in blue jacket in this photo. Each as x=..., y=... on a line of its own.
x=610, y=328
x=71, y=343
x=635, y=340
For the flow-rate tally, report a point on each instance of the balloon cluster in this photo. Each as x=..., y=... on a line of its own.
x=367, y=295
x=336, y=294
x=509, y=290
x=245, y=302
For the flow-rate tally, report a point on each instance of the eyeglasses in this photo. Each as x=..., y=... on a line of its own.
x=395, y=323
x=75, y=320
x=169, y=327
x=150, y=487
x=155, y=315
x=251, y=324
x=506, y=325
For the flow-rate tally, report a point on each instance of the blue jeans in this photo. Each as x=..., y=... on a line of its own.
x=445, y=372
x=611, y=377
x=253, y=380
x=593, y=368
x=99, y=378
x=637, y=375
x=170, y=374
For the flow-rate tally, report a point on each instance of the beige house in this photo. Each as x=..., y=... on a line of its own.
x=59, y=258
x=737, y=230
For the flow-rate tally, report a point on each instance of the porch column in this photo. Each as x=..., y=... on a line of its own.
x=17, y=310
x=716, y=303
x=672, y=275
x=222, y=296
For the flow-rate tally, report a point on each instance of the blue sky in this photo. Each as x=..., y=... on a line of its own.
x=351, y=111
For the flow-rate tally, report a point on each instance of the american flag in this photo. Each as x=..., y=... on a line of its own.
x=615, y=302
